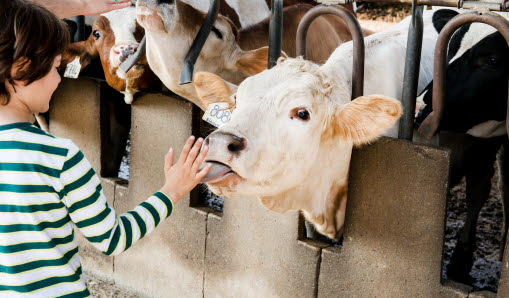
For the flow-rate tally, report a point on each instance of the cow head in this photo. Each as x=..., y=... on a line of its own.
x=115, y=37
x=476, y=91
x=171, y=27
x=290, y=138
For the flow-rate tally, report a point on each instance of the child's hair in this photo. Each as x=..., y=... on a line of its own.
x=32, y=36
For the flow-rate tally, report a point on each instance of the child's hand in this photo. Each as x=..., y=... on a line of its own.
x=183, y=176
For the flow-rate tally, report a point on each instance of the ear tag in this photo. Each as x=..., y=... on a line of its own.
x=218, y=114
x=73, y=69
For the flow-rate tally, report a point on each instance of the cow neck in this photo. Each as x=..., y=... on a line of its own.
x=307, y=196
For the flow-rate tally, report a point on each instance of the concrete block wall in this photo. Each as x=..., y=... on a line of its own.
x=393, y=235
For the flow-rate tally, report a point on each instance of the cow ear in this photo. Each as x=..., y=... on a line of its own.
x=212, y=89
x=365, y=118
x=83, y=49
x=255, y=61
x=441, y=17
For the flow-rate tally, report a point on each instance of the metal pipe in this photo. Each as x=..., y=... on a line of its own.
x=355, y=31
x=275, y=32
x=186, y=73
x=80, y=33
x=494, y=6
x=411, y=76
x=133, y=59
x=430, y=125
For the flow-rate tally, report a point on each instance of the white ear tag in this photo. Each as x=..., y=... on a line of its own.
x=218, y=114
x=73, y=69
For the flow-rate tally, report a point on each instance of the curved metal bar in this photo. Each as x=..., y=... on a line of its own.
x=133, y=59
x=355, y=31
x=275, y=32
x=467, y=4
x=411, y=76
x=430, y=125
x=186, y=73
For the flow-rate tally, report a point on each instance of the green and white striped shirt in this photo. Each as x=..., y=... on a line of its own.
x=46, y=186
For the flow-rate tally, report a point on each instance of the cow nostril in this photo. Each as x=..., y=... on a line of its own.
x=237, y=145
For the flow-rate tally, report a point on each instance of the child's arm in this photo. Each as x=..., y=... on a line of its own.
x=71, y=8
x=82, y=194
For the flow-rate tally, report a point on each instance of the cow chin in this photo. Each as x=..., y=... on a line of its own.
x=150, y=19
x=227, y=186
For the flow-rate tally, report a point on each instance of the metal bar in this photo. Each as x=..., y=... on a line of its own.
x=494, y=6
x=355, y=31
x=186, y=73
x=133, y=59
x=275, y=32
x=80, y=33
x=411, y=77
x=430, y=125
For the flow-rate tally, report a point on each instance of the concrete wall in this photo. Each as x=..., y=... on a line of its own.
x=393, y=234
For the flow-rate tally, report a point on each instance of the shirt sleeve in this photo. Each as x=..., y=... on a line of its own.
x=110, y=233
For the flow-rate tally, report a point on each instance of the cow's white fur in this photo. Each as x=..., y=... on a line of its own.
x=123, y=25
x=250, y=12
x=288, y=164
x=475, y=33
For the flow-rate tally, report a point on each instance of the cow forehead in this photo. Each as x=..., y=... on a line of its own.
x=123, y=24
x=275, y=87
x=474, y=35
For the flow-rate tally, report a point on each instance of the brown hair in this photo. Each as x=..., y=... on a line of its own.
x=32, y=36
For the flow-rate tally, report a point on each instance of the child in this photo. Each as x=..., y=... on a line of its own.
x=46, y=184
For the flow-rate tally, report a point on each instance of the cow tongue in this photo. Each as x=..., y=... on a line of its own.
x=218, y=169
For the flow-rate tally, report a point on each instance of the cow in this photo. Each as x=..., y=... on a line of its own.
x=115, y=37
x=290, y=137
x=475, y=106
x=245, y=13
x=171, y=26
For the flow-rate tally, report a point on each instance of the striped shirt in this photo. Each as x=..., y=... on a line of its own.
x=46, y=187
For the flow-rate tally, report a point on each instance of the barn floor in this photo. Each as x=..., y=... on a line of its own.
x=486, y=270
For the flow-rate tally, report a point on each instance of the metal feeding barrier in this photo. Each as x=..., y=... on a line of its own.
x=494, y=6
x=431, y=124
x=355, y=31
x=186, y=74
x=275, y=32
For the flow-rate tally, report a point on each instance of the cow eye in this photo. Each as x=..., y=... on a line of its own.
x=300, y=113
x=97, y=34
x=493, y=61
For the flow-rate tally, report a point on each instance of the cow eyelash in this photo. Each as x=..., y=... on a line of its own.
x=217, y=32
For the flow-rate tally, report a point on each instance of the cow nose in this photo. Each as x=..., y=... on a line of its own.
x=125, y=49
x=222, y=141
x=167, y=1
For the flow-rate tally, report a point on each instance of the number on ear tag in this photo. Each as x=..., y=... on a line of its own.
x=217, y=114
x=73, y=69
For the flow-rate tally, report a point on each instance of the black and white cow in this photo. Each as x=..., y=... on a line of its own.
x=474, y=116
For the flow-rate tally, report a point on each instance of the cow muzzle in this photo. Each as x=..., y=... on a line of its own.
x=124, y=51
x=223, y=147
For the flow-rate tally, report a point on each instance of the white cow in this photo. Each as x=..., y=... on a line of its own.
x=290, y=137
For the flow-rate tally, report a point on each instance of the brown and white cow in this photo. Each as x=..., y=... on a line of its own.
x=291, y=133
x=171, y=26
x=115, y=36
